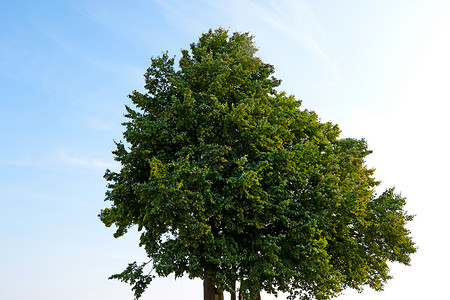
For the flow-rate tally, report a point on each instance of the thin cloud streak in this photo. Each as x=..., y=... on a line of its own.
x=94, y=164
x=293, y=19
x=63, y=158
x=107, y=14
x=304, y=28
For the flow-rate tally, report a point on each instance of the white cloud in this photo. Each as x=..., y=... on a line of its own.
x=92, y=163
x=294, y=19
x=15, y=163
x=64, y=158
x=270, y=21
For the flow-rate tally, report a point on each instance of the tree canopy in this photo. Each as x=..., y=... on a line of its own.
x=229, y=180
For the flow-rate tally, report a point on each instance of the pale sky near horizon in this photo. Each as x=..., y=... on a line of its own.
x=379, y=69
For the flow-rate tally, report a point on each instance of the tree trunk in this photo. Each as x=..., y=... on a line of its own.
x=233, y=294
x=209, y=290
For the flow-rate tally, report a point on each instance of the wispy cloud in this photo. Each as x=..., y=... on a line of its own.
x=271, y=21
x=181, y=13
x=130, y=22
x=58, y=159
x=90, y=163
x=15, y=163
x=296, y=20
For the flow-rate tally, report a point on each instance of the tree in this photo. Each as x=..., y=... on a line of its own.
x=228, y=180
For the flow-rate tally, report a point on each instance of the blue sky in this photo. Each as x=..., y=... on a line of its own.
x=380, y=69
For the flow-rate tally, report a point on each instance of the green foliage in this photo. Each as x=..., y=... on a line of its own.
x=134, y=275
x=227, y=178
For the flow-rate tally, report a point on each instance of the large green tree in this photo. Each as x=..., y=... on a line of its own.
x=230, y=181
